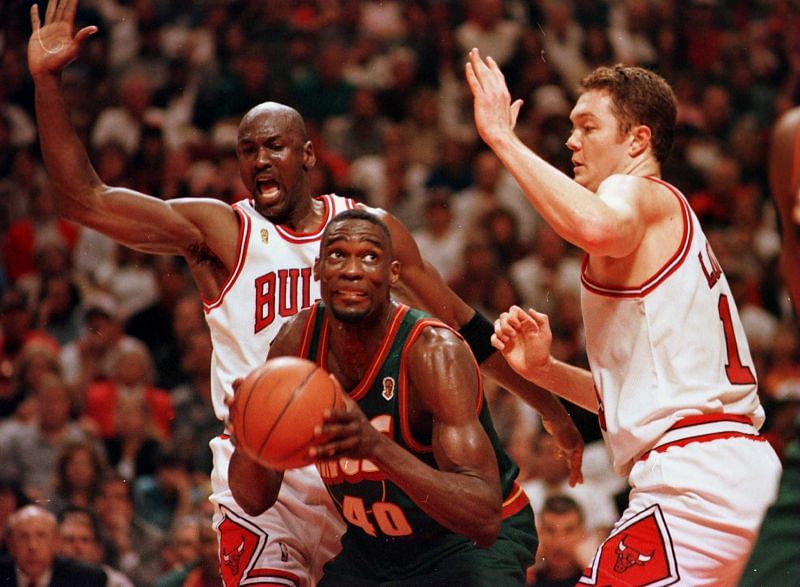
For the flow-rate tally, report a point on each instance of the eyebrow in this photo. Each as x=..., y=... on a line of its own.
x=333, y=239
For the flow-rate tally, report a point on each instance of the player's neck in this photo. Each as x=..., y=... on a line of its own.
x=353, y=347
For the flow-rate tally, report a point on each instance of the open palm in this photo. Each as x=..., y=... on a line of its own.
x=53, y=46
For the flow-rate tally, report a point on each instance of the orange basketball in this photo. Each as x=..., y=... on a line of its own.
x=276, y=408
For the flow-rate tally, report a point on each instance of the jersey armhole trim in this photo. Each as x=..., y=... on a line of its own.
x=245, y=228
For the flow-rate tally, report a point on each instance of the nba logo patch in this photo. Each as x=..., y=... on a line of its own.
x=388, y=388
x=639, y=553
x=265, y=236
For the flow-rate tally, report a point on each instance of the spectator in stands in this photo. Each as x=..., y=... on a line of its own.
x=12, y=498
x=195, y=422
x=168, y=493
x=18, y=404
x=136, y=544
x=154, y=323
x=79, y=533
x=182, y=546
x=16, y=332
x=78, y=471
x=205, y=570
x=136, y=442
x=552, y=479
x=487, y=28
x=439, y=240
x=132, y=375
x=88, y=358
x=27, y=235
x=33, y=544
x=559, y=559
x=31, y=453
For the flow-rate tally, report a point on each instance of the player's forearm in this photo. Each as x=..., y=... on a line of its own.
x=567, y=381
x=462, y=502
x=68, y=167
x=255, y=488
x=538, y=398
x=573, y=211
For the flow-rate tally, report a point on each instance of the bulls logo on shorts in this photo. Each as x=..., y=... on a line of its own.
x=240, y=544
x=638, y=553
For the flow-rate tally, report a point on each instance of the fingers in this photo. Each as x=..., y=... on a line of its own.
x=35, y=22
x=515, y=108
x=575, y=472
x=69, y=9
x=50, y=11
x=85, y=33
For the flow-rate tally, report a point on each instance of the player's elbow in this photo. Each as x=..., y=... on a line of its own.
x=485, y=534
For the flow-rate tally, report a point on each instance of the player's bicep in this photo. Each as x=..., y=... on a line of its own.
x=157, y=226
x=446, y=379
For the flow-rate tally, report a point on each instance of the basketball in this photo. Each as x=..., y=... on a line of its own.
x=276, y=408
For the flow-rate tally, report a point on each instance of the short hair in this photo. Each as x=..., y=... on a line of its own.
x=638, y=96
x=82, y=515
x=562, y=504
x=358, y=214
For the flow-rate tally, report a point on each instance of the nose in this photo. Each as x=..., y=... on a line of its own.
x=572, y=142
x=262, y=159
x=352, y=267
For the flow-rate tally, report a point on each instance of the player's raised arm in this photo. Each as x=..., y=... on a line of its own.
x=135, y=219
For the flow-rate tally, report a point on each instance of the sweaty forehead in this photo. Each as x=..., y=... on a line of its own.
x=356, y=231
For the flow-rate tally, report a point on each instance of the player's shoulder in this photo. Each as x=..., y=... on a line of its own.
x=436, y=337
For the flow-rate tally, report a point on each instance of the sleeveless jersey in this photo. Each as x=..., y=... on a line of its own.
x=271, y=281
x=387, y=531
x=672, y=347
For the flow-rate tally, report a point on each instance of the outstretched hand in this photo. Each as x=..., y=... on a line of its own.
x=495, y=113
x=53, y=46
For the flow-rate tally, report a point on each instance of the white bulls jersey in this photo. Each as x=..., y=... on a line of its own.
x=272, y=281
x=672, y=347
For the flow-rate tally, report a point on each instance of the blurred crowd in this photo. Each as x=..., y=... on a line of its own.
x=105, y=408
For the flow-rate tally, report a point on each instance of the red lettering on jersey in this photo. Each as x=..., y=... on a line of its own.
x=293, y=289
x=638, y=553
x=265, y=301
x=714, y=271
x=287, y=280
x=305, y=282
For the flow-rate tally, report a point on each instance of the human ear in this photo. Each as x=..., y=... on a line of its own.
x=640, y=140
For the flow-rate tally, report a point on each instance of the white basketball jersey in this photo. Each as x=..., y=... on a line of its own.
x=672, y=347
x=271, y=281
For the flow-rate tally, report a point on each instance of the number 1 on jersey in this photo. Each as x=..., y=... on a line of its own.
x=737, y=373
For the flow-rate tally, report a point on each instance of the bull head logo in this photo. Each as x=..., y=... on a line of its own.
x=231, y=559
x=629, y=556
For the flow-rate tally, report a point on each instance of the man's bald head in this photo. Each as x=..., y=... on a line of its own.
x=291, y=118
x=33, y=539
